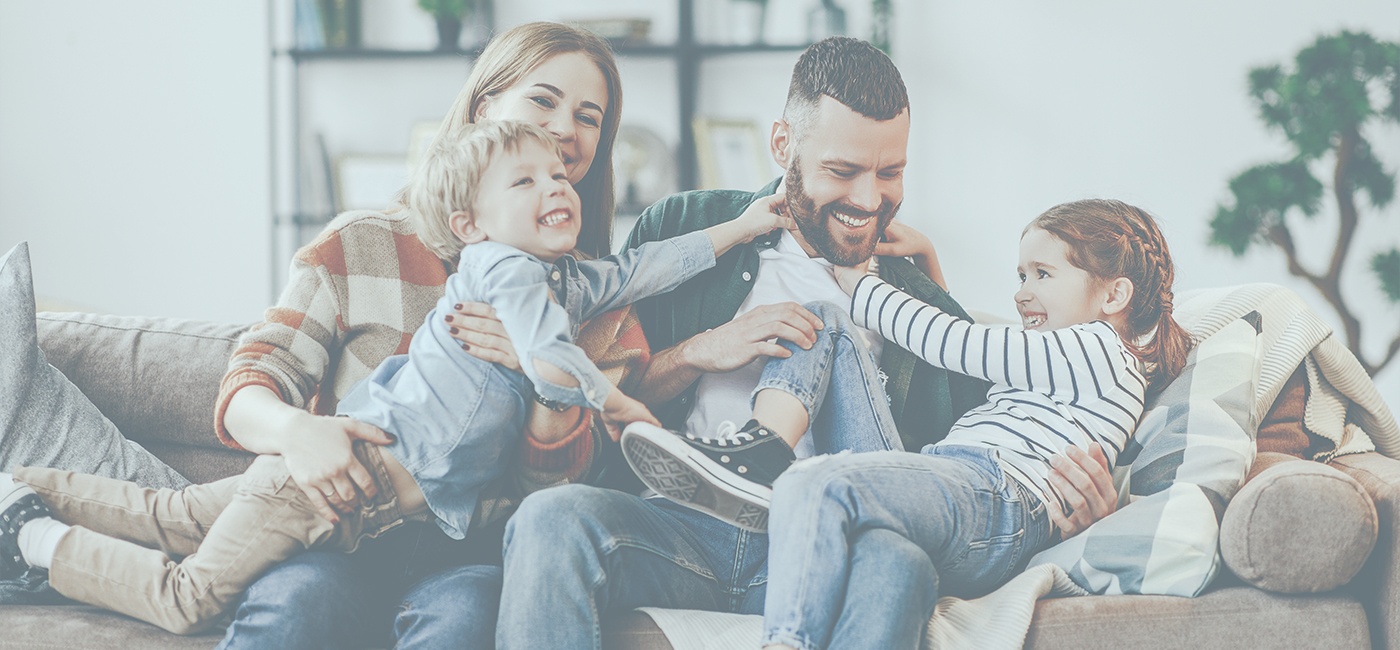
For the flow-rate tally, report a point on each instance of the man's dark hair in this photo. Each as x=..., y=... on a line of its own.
x=852, y=72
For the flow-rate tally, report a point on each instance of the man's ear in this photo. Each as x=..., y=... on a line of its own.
x=780, y=143
x=1120, y=295
x=464, y=226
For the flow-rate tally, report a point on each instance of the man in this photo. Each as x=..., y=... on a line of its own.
x=576, y=553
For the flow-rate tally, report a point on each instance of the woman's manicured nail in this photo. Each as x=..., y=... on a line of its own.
x=452, y=329
x=449, y=318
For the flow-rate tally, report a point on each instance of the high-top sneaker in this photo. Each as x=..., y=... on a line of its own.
x=18, y=505
x=729, y=476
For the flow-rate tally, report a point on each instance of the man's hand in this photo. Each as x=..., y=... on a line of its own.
x=737, y=343
x=1085, y=482
x=319, y=457
x=619, y=410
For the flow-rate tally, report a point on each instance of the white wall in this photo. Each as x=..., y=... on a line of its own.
x=134, y=154
x=133, y=136
x=1022, y=104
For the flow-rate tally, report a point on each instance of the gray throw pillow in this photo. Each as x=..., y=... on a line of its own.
x=45, y=420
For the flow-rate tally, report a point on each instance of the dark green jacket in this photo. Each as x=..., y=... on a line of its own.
x=925, y=400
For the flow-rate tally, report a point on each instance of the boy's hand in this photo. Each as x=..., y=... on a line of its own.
x=619, y=410
x=849, y=276
x=764, y=215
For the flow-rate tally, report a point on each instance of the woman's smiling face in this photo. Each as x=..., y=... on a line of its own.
x=567, y=95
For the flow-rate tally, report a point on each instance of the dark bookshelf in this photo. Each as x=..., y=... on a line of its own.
x=686, y=53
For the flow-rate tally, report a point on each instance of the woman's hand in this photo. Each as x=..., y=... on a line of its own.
x=319, y=457
x=901, y=240
x=476, y=326
x=1085, y=482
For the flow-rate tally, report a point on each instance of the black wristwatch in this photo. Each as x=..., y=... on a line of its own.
x=553, y=405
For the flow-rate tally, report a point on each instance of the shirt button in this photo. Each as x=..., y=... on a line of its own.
x=747, y=276
x=554, y=275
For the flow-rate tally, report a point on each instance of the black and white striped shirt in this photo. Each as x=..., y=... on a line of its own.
x=1072, y=386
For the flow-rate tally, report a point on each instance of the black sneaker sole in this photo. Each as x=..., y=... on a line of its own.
x=18, y=505
x=686, y=476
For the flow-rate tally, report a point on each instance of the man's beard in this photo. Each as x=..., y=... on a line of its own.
x=814, y=222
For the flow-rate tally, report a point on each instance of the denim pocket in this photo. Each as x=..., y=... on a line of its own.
x=984, y=564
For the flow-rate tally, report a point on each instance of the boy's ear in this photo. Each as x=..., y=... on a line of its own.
x=1120, y=294
x=780, y=142
x=464, y=226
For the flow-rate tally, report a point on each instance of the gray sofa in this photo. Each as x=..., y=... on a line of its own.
x=156, y=379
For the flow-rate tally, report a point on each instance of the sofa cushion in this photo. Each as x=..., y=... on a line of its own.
x=44, y=419
x=1187, y=458
x=156, y=378
x=1298, y=527
x=1235, y=617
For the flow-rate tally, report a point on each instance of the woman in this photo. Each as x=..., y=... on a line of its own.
x=355, y=297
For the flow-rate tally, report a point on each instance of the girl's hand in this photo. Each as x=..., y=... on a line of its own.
x=475, y=325
x=619, y=410
x=319, y=458
x=849, y=276
x=764, y=215
x=901, y=240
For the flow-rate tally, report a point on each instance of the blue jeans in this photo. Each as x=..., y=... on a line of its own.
x=865, y=544
x=412, y=587
x=575, y=553
x=837, y=380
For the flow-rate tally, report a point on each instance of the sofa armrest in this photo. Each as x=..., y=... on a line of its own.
x=1378, y=585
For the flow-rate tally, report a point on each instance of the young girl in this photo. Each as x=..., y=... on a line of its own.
x=504, y=193
x=964, y=514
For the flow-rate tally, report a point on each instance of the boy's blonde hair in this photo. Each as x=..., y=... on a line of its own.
x=448, y=177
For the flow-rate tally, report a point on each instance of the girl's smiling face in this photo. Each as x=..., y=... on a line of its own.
x=1054, y=293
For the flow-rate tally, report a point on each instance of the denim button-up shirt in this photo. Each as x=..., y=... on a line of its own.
x=453, y=415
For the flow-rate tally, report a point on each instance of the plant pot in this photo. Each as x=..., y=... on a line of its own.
x=449, y=29
x=747, y=18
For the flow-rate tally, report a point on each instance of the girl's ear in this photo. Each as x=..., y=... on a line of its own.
x=464, y=226
x=1120, y=294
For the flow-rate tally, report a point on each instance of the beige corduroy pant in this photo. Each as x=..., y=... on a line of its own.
x=125, y=548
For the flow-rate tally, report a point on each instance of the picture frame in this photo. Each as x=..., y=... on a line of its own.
x=368, y=181
x=420, y=136
x=732, y=154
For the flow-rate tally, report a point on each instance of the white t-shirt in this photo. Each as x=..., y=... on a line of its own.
x=785, y=274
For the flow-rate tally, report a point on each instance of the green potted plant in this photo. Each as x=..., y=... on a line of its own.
x=1342, y=88
x=449, y=14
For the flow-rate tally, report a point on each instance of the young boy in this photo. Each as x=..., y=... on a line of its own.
x=504, y=194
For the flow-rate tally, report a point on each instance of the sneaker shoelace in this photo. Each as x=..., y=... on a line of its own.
x=726, y=432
